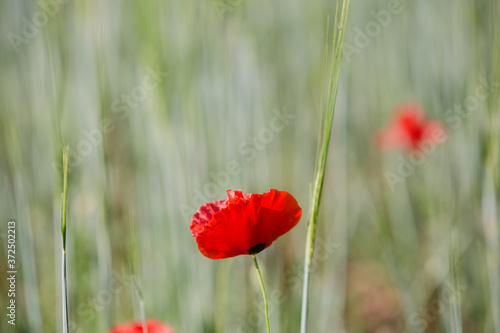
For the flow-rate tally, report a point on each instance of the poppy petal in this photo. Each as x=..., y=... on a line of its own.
x=408, y=130
x=245, y=223
x=278, y=214
x=229, y=232
x=392, y=137
x=204, y=215
x=154, y=326
x=431, y=130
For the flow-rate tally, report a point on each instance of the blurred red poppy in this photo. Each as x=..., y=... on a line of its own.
x=409, y=129
x=154, y=326
x=243, y=223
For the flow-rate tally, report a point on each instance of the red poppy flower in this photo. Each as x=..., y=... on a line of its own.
x=154, y=326
x=243, y=223
x=409, y=129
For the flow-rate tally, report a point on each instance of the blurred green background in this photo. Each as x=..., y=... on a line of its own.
x=167, y=104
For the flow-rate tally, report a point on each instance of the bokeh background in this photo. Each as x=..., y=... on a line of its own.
x=167, y=104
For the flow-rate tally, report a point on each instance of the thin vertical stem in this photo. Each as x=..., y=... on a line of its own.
x=64, y=203
x=64, y=197
x=133, y=244
x=321, y=158
x=142, y=307
x=305, y=294
x=263, y=292
x=65, y=295
x=455, y=304
x=491, y=179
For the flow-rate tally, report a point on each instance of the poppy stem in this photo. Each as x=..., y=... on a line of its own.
x=263, y=291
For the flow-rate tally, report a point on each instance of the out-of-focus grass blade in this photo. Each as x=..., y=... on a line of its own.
x=455, y=303
x=221, y=295
x=134, y=249
x=491, y=180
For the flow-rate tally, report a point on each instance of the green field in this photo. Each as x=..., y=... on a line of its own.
x=165, y=105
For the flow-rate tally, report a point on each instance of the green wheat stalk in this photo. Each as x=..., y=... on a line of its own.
x=491, y=180
x=133, y=243
x=455, y=310
x=324, y=138
x=64, y=204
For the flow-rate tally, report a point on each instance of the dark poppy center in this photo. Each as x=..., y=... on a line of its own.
x=257, y=248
